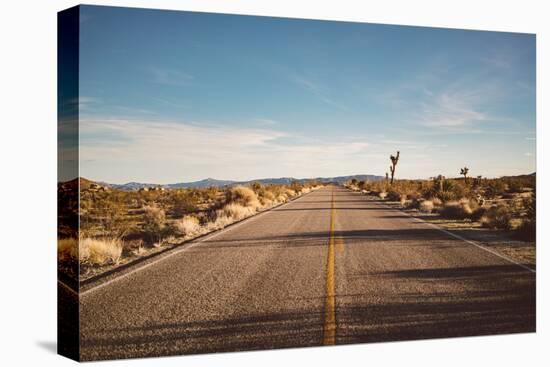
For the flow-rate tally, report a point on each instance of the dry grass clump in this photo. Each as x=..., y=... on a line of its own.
x=90, y=251
x=67, y=249
x=243, y=196
x=188, y=226
x=437, y=202
x=236, y=211
x=266, y=198
x=220, y=222
x=155, y=218
x=462, y=209
x=498, y=217
x=426, y=206
x=100, y=251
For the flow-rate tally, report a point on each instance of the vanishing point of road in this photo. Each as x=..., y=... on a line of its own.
x=332, y=267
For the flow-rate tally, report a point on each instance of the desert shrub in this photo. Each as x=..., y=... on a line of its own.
x=221, y=221
x=514, y=186
x=184, y=202
x=187, y=226
x=100, y=251
x=393, y=195
x=67, y=249
x=497, y=217
x=296, y=187
x=414, y=195
x=426, y=206
x=236, y=211
x=290, y=193
x=410, y=204
x=456, y=210
x=154, y=222
x=477, y=213
x=528, y=228
x=243, y=196
x=459, y=191
x=266, y=197
x=445, y=196
x=437, y=202
x=494, y=188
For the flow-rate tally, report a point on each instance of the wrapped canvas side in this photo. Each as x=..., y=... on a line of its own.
x=68, y=184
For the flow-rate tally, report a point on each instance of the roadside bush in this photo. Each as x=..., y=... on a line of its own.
x=494, y=188
x=184, y=202
x=462, y=209
x=445, y=196
x=154, y=222
x=236, y=211
x=188, y=226
x=497, y=217
x=514, y=186
x=90, y=251
x=455, y=210
x=100, y=251
x=528, y=228
x=437, y=202
x=67, y=249
x=393, y=196
x=243, y=196
x=426, y=206
x=266, y=197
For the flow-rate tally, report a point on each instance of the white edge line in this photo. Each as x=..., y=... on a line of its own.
x=182, y=249
x=462, y=238
x=67, y=287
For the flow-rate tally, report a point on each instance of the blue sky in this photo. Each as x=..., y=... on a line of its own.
x=179, y=96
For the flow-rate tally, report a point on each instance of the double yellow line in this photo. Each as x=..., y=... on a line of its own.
x=329, y=334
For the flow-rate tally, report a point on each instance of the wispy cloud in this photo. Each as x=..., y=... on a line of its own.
x=318, y=90
x=450, y=111
x=171, y=77
x=122, y=150
x=265, y=122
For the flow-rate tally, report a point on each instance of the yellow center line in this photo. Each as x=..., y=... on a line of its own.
x=329, y=335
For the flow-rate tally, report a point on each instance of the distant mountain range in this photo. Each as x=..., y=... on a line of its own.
x=212, y=182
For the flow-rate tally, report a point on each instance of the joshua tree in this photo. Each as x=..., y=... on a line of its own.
x=394, y=160
x=439, y=181
x=464, y=172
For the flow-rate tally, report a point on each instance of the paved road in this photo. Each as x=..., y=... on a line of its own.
x=332, y=267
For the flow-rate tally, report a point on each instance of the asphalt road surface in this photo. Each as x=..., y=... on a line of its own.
x=332, y=267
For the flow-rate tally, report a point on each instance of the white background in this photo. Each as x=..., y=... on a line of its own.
x=28, y=181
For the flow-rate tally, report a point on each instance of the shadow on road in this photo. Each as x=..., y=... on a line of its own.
x=476, y=308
